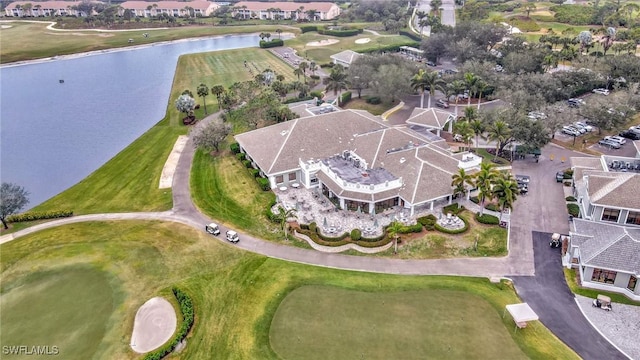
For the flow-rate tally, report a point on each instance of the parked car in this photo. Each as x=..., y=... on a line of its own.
x=600, y=91
x=570, y=131
x=430, y=63
x=536, y=115
x=630, y=135
x=499, y=68
x=609, y=144
x=450, y=71
x=559, y=176
x=584, y=125
x=442, y=104
x=580, y=129
x=619, y=139
x=575, y=102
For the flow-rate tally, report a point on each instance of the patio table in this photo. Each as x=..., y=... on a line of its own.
x=295, y=185
x=283, y=188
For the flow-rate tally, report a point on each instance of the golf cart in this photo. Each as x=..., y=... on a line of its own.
x=557, y=239
x=232, y=236
x=212, y=229
x=602, y=302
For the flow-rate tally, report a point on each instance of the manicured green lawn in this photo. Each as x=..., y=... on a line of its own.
x=68, y=307
x=572, y=281
x=315, y=322
x=237, y=293
x=26, y=41
x=361, y=104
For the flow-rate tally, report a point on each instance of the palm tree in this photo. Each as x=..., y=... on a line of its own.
x=460, y=180
x=394, y=231
x=303, y=67
x=217, y=90
x=481, y=87
x=471, y=81
x=297, y=72
x=498, y=132
x=336, y=81
x=282, y=216
x=478, y=128
x=279, y=32
x=456, y=87
x=483, y=181
x=506, y=190
x=203, y=91
x=426, y=80
x=463, y=128
x=313, y=67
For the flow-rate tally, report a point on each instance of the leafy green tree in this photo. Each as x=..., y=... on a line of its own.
x=13, y=198
x=185, y=104
x=203, y=91
x=217, y=90
x=209, y=135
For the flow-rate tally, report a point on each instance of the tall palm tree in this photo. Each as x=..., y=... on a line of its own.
x=471, y=82
x=217, y=90
x=297, y=72
x=336, y=81
x=279, y=32
x=498, y=132
x=424, y=80
x=506, y=190
x=478, y=128
x=283, y=215
x=394, y=231
x=483, y=181
x=481, y=87
x=457, y=87
x=463, y=128
x=460, y=180
x=304, y=66
x=203, y=91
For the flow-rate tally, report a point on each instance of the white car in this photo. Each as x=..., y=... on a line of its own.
x=600, y=91
x=619, y=139
x=584, y=125
x=570, y=131
x=577, y=128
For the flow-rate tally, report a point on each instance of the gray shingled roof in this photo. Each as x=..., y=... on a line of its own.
x=616, y=189
x=347, y=56
x=607, y=246
x=587, y=162
x=431, y=117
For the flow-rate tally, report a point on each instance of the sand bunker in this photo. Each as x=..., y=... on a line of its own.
x=324, y=42
x=81, y=34
x=5, y=26
x=362, y=41
x=155, y=323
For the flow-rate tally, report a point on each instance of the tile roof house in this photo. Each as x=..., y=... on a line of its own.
x=606, y=256
x=345, y=58
x=285, y=10
x=606, y=195
x=43, y=8
x=173, y=8
x=354, y=157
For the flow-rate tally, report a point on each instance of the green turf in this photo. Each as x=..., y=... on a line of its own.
x=68, y=308
x=26, y=41
x=235, y=293
x=321, y=322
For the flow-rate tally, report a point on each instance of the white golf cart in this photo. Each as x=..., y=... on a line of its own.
x=232, y=236
x=602, y=302
x=213, y=229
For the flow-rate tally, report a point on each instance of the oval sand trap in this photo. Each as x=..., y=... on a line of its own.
x=5, y=26
x=324, y=42
x=362, y=41
x=155, y=323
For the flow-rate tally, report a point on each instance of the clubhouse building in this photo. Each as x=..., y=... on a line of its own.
x=357, y=160
x=286, y=10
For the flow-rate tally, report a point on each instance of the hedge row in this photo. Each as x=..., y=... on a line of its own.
x=345, y=97
x=38, y=215
x=188, y=316
x=340, y=33
x=235, y=147
x=428, y=221
x=492, y=207
x=298, y=99
x=411, y=229
x=393, y=48
x=272, y=43
x=453, y=232
x=487, y=219
x=308, y=28
x=269, y=214
x=410, y=35
x=454, y=209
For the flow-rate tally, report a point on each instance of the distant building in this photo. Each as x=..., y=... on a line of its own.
x=345, y=58
x=285, y=10
x=172, y=8
x=42, y=8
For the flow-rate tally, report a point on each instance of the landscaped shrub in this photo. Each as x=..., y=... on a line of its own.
x=487, y=219
x=313, y=228
x=339, y=33
x=567, y=174
x=474, y=199
x=188, y=317
x=410, y=35
x=454, y=209
x=428, y=221
x=314, y=77
x=355, y=234
x=38, y=215
x=567, y=183
x=345, y=97
x=316, y=94
x=294, y=100
x=453, y=232
x=374, y=100
x=308, y=28
x=263, y=183
x=411, y=229
x=235, y=147
x=269, y=214
x=570, y=198
x=254, y=172
x=574, y=210
x=492, y=207
x=390, y=48
x=246, y=163
x=384, y=240
x=241, y=156
x=272, y=43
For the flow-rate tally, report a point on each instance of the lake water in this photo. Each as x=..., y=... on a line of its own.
x=54, y=134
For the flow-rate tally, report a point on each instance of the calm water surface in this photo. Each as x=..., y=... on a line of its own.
x=53, y=135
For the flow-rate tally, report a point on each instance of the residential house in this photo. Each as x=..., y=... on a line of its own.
x=607, y=189
x=147, y=9
x=42, y=8
x=357, y=160
x=607, y=257
x=345, y=58
x=286, y=10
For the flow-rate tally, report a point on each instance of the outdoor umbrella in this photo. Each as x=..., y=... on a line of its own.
x=324, y=222
x=375, y=223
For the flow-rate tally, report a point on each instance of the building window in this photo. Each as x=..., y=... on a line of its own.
x=632, y=283
x=292, y=177
x=633, y=218
x=604, y=276
x=279, y=179
x=610, y=215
